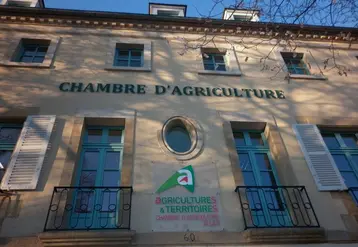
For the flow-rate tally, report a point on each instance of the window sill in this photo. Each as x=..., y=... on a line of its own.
x=307, y=77
x=120, y=68
x=212, y=72
x=26, y=65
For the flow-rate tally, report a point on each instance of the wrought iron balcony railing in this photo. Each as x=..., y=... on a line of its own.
x=89, y=208
x=276, y=207
x=354, y=193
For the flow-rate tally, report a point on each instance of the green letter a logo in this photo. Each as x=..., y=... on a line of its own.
x=184, y=177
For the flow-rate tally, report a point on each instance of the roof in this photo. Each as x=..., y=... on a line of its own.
x=104, y=19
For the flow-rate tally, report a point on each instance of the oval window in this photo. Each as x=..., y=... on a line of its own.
x=178, y=138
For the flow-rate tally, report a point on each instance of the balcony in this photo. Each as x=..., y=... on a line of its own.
x=89, y=208
x=276, y=207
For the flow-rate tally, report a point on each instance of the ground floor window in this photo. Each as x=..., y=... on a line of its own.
x=343, y=147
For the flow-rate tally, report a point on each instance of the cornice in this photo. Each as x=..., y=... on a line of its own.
x=111, y=20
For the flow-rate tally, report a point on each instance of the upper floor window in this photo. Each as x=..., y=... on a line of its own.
x=241, y=14
x=129, y=55
x=214, y=61
x=32, y=51
x=344, y=150
x=295, y=63
x=167, y=9
x=15, y=3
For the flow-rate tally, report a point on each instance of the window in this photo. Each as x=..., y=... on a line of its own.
x=294, y=63
x=9, y=133
x=32, y=51
x=214, y=61
x=258, y=170
x=178, y=139
x=344, y=150
x=99, y=175
x=129, y=55
x=168, y=12
x=18, y=3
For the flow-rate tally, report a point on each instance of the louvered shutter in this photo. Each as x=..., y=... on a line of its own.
x=28, y=157
x=318, y=158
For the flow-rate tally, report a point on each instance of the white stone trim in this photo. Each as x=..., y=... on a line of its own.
x=147, y=55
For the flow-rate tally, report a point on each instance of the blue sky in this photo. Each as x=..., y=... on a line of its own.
x=133, y=6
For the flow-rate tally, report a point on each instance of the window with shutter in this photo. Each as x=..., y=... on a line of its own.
x=24, y=168
x=318, y=158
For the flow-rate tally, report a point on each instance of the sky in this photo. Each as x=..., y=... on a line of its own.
x=134, y=6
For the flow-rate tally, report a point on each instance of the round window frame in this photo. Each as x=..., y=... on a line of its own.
x=195, y=133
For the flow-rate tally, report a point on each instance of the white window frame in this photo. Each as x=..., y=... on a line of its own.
x=147, y=55
x=230, y=58
x=153, y=9
x=250, y=15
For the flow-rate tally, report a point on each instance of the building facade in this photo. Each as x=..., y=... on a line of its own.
x=113, y=133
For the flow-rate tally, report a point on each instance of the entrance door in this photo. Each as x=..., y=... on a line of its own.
x=96, y=201
x=264, y=198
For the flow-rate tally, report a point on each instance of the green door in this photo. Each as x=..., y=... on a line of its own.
x=264, y=198
x=96, y=200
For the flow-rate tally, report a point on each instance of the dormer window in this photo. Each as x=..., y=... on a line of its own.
x=23, y=3
x=241, y=15
x=167, y=9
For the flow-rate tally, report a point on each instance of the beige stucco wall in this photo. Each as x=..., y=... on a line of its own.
x=81, y=57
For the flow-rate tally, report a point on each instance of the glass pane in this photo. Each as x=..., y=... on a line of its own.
x=220, y=67
x=355, y=160
x=28, y=53
x=256, y=139
x=207, y=57
x=123, y=53
x=121, y=63
x=9, y=135
x=341, y=162
x=350, y=179
x=178, y=139
x=267, y=179
x=209, y=67
x=29, y=48
x=5, y=156
x=42, y=49
x=350, y=140
x=136, y=63
x=136, y=54
x=219, y=59
x=90, y=160
x=111, y=178
x=249, y=178
x=94, y=135
x=263, y=162
x=84, y=201
x=40, y=54
x=330, y=140
x=26, y=59
x=38, y=59
x=239, y=139
x=88, y=179
x=245, y=163
x=112, y=160
x=115, y=136
x=110, y=200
